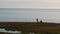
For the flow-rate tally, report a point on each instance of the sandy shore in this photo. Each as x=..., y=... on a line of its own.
x=31, y=26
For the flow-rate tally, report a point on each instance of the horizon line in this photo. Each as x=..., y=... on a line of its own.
x=31, y=8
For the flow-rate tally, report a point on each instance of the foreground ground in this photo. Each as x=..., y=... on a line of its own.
x=26, y=27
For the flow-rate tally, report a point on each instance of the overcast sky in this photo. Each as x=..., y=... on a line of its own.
x=30, y=4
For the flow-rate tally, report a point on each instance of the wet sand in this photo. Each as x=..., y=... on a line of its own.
x=31, y=26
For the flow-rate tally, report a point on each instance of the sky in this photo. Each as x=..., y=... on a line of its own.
x=53, y=4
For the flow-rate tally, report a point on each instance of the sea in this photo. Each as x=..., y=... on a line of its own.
x=29, y=15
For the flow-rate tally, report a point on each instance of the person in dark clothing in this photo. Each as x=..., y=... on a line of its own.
x=37, y=20
x=40, y=21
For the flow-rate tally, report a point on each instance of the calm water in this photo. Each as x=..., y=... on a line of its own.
x=20, y=14
x=13, y=32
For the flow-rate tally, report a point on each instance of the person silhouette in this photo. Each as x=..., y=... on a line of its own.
x=37, y=20
x=40, y=21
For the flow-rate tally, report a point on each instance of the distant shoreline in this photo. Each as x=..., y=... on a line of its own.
x=26, y=22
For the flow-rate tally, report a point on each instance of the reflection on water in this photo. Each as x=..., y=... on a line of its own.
x=13, y=32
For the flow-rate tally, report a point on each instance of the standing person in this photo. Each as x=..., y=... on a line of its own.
x=37, y=20
x=40, y=21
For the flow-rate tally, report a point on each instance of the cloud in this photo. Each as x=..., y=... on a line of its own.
x=30, y=3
